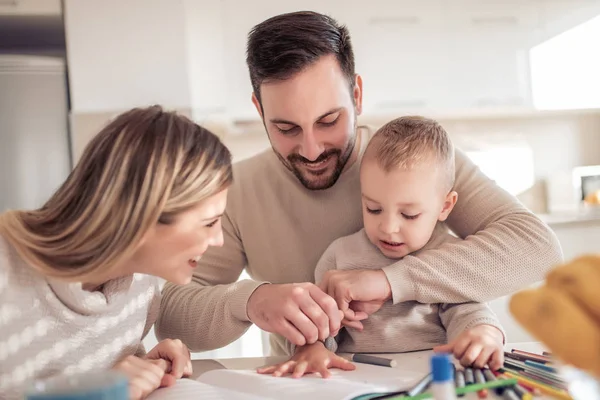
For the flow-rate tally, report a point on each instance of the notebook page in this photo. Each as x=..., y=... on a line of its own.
x=187, y=389
x=342, y=385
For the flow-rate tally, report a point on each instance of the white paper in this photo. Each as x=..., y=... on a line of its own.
x=186, y=389
x=341, y=386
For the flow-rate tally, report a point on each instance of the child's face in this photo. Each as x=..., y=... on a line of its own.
x=402, y=207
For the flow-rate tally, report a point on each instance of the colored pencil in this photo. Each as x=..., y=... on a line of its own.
x=561, y=394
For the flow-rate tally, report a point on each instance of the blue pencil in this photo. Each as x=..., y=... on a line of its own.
x=540, y=366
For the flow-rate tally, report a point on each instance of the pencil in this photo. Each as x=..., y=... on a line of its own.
x=469, y=389
x=560, y=394
x=469, y=378
x=510, y=394
x=459, y=380
x=373, y=360
x=479, y=378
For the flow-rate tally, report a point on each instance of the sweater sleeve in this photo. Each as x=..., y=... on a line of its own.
x=506, y=247
x=458, y=318
x=209, y=312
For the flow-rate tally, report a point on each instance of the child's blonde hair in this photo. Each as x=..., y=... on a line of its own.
x=406, y=142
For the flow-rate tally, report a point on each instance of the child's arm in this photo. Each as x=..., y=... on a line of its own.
x=474, y=334
x=311, y=358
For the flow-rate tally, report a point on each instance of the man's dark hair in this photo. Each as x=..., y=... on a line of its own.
x=285, y=44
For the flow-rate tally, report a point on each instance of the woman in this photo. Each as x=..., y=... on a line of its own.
x=78, y=286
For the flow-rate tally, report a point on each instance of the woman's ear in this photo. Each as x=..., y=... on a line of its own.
x=449, y=203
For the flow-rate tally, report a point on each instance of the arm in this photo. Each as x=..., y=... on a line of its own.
x=458, y=318
x=209, y=312
x=506, y=247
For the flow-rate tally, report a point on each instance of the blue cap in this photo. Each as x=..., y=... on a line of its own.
x=441, y=368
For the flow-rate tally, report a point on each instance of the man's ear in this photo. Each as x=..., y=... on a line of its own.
x=449, y=203
x=257, y=105
x=357, y=94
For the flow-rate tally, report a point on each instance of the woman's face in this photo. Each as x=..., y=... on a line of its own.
x=172, y=248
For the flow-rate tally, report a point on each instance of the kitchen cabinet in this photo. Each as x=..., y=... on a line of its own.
x=30, y=7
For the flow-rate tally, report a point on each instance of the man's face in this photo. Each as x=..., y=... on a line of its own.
x=311, y=121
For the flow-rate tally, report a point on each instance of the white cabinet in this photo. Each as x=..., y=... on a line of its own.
x=400, y=55
x=487, y=47
x=30, y=7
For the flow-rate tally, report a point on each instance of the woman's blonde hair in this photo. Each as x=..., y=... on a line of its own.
x=144, y=166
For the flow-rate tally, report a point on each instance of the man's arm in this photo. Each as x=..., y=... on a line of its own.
x=209, y=312
x=506, y=247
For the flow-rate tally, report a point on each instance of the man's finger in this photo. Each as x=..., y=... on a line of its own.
x=317, y=316
x=289, y=331
x=329, y=306
x=302, y=323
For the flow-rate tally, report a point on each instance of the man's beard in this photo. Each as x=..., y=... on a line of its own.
x=319, y=180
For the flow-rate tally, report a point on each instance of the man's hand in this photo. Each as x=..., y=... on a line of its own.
x=479, y=346
x=358, y=293
x=301, y=312
x=176, y=353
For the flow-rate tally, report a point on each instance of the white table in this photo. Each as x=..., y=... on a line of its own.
x=419, y=361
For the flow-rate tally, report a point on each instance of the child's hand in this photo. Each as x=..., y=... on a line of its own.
x=479, y=346
x=308, y=359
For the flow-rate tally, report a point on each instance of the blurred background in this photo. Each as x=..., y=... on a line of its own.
x=515, y=82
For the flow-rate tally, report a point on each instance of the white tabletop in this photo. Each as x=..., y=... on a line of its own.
x=418, y=361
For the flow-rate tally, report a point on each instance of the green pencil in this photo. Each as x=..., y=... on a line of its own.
x=466, y=389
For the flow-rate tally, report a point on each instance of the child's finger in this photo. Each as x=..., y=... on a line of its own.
x=471, y=354
x=497, y=360
x=324, y=371
x=267, y=370
x=484, y=357
x=352, y=324
x=300, y=369
x=445, y=348
x=342, y=363
x=460, y=347
x=284, y=368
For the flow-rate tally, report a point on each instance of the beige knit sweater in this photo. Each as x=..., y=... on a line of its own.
x=277, y=230
x=49, y=328
x=401, y=327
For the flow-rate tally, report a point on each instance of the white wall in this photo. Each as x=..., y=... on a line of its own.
x=124, y=54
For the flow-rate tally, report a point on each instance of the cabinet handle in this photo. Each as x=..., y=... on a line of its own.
x=416, y=103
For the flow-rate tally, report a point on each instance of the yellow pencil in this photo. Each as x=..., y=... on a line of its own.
x=559, y=394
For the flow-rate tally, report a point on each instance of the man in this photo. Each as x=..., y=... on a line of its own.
x=289, y=203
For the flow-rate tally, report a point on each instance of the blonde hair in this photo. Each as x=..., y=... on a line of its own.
x=145, y=165
x=406, y=142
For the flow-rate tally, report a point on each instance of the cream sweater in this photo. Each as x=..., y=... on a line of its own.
x=401, y=327
x=49, y=327
x=277, y=230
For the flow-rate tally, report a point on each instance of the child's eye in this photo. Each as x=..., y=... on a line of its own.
x=373, y=211
x=410, y=216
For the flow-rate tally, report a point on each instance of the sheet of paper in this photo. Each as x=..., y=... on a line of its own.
x=342, y=385
x=187, y=389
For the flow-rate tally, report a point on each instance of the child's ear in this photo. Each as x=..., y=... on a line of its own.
x=449, y=203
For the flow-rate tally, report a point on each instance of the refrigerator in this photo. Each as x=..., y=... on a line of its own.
x=35, y=151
